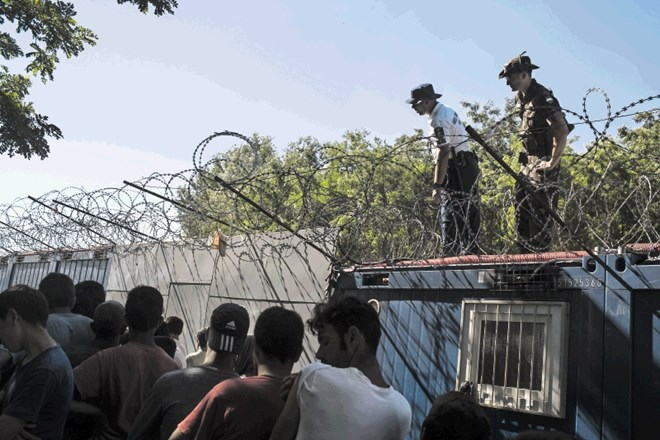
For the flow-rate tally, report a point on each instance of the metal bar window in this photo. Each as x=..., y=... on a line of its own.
x=507, y=352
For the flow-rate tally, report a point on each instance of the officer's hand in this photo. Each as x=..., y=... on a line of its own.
x=287, y=383
x=436, y=197
x=545, y=165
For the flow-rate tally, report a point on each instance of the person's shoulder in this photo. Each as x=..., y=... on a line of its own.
x=172, y=380
x=69, y=317
x=163, y=359
x=259, y=381
x=57, y=354
x=102, y=357
x=112, y=351
x=227, y=388
x=318, y=371
x=314, y=367
x=50, y=359
x=119, y=353
x=57, y=319
x=51, y=368
x=440, y=111
x=537, y=87
x=233, y=385
x=399, y=398
x=171, y=377
x=202, y=371
x=446, y=109
x=542, y=94
x=239, y=386
x=79, y=317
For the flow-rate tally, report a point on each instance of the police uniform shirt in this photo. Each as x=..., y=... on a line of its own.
x=454, y=131
x=535, y=108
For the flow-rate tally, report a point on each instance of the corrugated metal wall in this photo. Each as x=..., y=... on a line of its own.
x=29, y=273
x=30, y=269
x=82, y=270
x=256, y=272
x=418, y=351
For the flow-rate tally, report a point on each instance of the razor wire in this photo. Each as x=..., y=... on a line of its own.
x=354, y=200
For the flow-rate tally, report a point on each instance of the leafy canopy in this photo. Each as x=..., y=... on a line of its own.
x=376, y=196
x=52, y=31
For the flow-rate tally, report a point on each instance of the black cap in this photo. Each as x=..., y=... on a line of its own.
x=521, y=63
x=229, y=327
x=422, y=91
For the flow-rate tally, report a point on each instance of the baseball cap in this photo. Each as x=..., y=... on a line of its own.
x=229, y=327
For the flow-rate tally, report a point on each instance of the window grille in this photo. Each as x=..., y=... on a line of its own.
x=515, y=354
x=82, y=270
x=30, y=273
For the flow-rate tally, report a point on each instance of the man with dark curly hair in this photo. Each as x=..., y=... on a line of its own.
x=330, y=399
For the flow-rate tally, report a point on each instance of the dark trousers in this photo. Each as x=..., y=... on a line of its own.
x=533, y=222
x=459, y=213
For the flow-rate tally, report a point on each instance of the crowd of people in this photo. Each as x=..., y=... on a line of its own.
x=75, y=366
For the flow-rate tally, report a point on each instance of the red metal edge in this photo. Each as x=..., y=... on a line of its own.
x=476, y=259
x=648, y=248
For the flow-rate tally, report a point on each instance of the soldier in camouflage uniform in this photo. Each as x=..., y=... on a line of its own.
x=544, y=131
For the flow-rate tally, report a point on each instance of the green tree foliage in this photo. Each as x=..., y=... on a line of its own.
x=611, y=197
x=374, y=195
x=380, y=197
x=53, y=31
x=256, y=171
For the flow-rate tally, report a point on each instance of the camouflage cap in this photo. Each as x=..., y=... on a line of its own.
x=521, y=63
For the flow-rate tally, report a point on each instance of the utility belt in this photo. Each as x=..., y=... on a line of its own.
x=539, y=146
x=463, y=158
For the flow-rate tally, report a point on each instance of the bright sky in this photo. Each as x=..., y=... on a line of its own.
x=153, y=88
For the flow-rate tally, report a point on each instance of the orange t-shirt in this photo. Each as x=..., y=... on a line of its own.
x=118, y=381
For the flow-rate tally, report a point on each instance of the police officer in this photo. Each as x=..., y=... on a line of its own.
x=456, y=173
x=543, y=130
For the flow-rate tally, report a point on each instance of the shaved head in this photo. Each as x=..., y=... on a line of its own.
x=109, y=320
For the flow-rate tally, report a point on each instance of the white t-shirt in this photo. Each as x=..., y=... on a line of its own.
x=342, y=403
x=195, y=359
x=179, y=355
x=445, y=117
